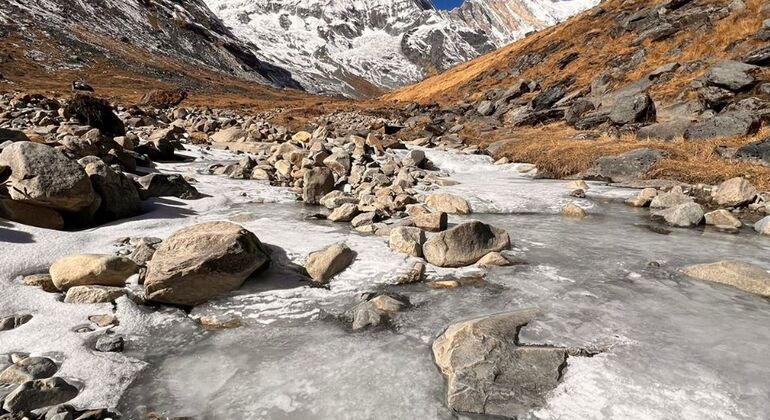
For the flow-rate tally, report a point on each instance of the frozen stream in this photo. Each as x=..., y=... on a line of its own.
x=672, y=348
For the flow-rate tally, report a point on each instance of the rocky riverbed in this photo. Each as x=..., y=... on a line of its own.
x=341, y=272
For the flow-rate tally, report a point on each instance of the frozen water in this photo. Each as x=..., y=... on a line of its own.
x=669, y=347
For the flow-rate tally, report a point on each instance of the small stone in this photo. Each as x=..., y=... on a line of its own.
x=103, y=320
x=643, y=199
x=219, y=322
x=44, y=281
x=344, y=213
x=14, y=321
x=443, y=284
x=573, y=210
x=414, y=275
x=109, y=343
x=493, y=259
x=93, y=294
x=578, y=185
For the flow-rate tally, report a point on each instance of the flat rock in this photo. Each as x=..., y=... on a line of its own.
x=727, y=124
x=741, y=275
x=448, y=203
x=93, y=294
x=625, y=167
x=39, y=393
x=487, y=373
x=91, y=269
x=732, y=75
x=722, y=219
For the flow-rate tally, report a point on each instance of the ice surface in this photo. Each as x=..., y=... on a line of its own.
x=669, y=347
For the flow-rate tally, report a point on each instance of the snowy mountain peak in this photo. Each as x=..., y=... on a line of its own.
x=359, y=47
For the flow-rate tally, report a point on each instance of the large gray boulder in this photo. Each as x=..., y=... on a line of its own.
x=46, y=177
x=732, y=75
x=741, y=275
x=682, y=215
x=167, y=185
x=120, y=197
x=203, y=261
x=759, y=150
x=727, y=124
x=638, y=108
x=628, y=166
x=488, y=373
x=464, y=244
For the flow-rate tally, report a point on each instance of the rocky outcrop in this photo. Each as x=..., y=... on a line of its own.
x=203, y=261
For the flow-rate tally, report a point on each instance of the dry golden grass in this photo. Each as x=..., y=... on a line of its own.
x=553, y=149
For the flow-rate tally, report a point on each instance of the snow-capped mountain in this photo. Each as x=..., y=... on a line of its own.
x=355, y=47
x=152, y=36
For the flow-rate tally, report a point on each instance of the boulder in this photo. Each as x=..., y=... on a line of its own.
x=339, y=163
x=682, y=215
x=572, y=210
x=413, y=158
x=97, y=113
x=735, y=192
x=448, y=203
x=322, y=265
x=638, y=108
x=674, y=197
x=39, y=393
x=167, y=185
x=120, y=197
x=432, y=222
x=30, y=214
x=93, y=294
x=464, y=244
x=488, y=373
x=762, y=227
x=12, y=135
x=722, y=219
x=726, y=124
x=732, y=75
x=375, y=311
x=317, y=183
x=28, y=369
x=741, y=275
x=407, y=240
x=668, y=130
x=91, y=269
x=643, y=198
x=44, y=176
x=759, y=150
x=203, y=261
x=335, y=199
x=628, y=166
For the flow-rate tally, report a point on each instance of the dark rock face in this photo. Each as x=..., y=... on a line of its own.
x=97, y=113
x=487, y=372
x=757, y=150
x=633, y=109
x=165, y=185
x=548, y=97
x=628, y=166
x=668, y=130
x=728, y=124
x=163, y=98
x=732, y=75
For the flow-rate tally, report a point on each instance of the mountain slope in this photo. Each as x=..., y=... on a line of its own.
x=138, y=35
x=361, y=47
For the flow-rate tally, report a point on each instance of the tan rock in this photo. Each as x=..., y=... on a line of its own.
x=302, y=136
x=741, y=275
x=91, y=269
x=443, y=284
x=722, y=219
x=407, y=240
x=93, y=294
x=414, y=275
x=448, y=203
x=44, y=281
x=322, y=265
x=203, y=261
x=573, y=210
x=493, y=259
x=578, y=185
x=735, y=192
x=31, y=215
x=464, y=244
x=432, y=222
x=643, y=199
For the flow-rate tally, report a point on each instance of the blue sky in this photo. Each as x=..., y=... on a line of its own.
x=446, y=4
